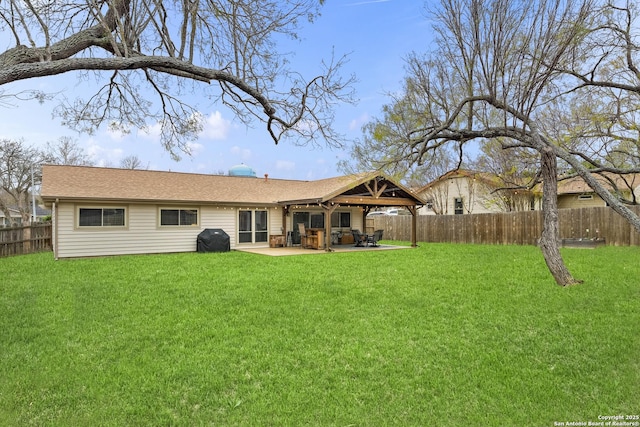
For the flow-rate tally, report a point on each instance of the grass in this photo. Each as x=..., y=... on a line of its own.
x=440, y=335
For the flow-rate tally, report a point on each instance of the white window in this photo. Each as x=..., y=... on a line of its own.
x=101, y=217
x=173, y=217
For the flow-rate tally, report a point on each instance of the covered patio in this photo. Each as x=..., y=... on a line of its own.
x=369, y=192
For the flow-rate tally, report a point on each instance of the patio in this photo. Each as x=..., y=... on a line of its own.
x=297, y=250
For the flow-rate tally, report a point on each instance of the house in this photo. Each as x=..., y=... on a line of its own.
x=465, y=192
x=574, y=192
x=15, y=218
x=106, y=211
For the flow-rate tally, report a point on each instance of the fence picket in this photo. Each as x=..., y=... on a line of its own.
x=25, y=239
x=520, y=228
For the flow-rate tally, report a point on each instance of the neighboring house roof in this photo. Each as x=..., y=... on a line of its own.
x=458, y=173
x=491, y=180
x=15, y=212
x=42, y=211
x=92, y=183
x=577, y=185
x=573, y=185
x=12, y=211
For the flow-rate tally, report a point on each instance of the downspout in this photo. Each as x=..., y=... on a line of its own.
x=54, y=229
x=285, y=211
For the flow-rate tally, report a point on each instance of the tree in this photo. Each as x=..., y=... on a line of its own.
x=19, y=167
x=66, y=151
x=382, y=146
x=499, y=65
x=131, y=162
x=513, y=174
x=164, y=48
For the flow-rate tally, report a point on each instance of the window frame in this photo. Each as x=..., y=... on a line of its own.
x=125, y=217
x=458, y=206
x=316, y=219
x=340, y=215
x=243, y=231
x=258, y=228
x=180, y=211
x=261, y=226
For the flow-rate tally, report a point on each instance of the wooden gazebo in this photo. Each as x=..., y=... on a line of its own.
x=368, y=191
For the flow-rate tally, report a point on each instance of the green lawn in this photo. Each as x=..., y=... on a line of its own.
x=439, y=335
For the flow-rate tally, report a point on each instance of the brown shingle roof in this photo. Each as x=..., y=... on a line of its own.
x=577, y=185
x=92, y=183
x=487, y=178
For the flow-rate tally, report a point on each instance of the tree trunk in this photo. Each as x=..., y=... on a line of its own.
x=550, y=238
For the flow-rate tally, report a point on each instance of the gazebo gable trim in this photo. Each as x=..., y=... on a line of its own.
x=373, y=196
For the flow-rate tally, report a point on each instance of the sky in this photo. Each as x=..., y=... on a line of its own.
x=376, y=34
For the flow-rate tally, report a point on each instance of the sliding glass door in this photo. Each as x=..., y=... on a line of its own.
x=253, y=226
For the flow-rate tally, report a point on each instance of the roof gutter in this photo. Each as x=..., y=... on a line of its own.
x=49, y=199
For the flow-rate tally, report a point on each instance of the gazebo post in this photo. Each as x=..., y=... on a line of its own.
x=414, y=225
x=285, y=213
x=328, y=207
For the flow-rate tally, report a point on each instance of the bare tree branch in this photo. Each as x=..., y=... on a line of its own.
x=159, y=43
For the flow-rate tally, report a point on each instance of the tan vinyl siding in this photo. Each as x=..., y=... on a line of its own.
x=222, y=218
x=356, y=220
x=142, y=234
x=573, y=201
x=275, y=221
x=476, y=196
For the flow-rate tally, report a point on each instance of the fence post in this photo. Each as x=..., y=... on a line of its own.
x=25, y=239
x=506, y=228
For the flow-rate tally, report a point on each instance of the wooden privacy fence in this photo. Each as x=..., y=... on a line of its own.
x=25, y=239
x=511, y=228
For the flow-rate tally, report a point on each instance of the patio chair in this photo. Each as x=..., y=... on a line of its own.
x=373, y=239
x=303, y=235
x=358, y=238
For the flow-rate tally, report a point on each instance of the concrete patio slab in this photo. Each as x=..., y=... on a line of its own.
x=297, y=250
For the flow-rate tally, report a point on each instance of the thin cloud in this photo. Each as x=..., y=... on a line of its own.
x=285, y=165
x=116, y=133
x=194, y=148
x=103, y=156
x=152, y=132
x=357, y=123
x=243, y=153
x=215, y=126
